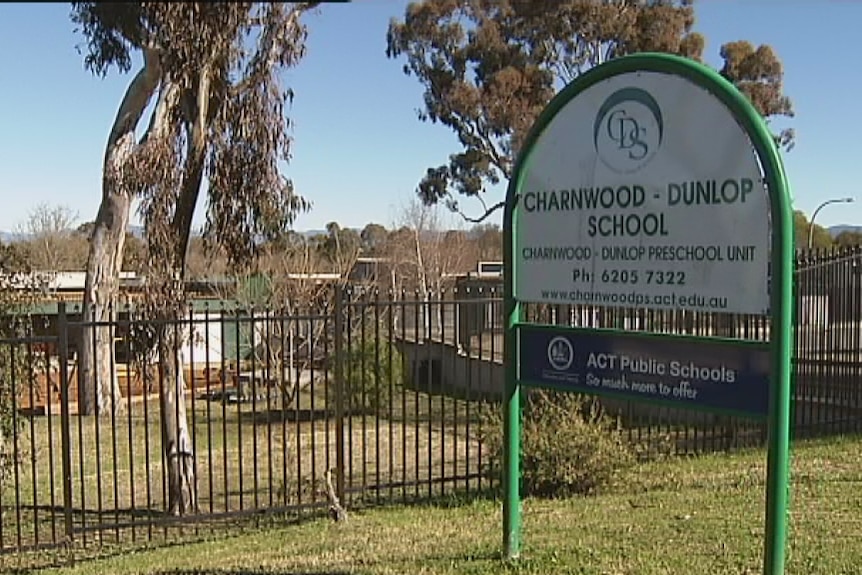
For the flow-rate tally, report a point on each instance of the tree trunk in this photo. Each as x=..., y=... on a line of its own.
x=97, y=380
x=176, y=439
x=423, y=281
x=97, y=383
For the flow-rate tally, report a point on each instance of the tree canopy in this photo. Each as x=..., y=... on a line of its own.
x=220, y=114
x=820, y=236
x=488, y=68
x=849, y=238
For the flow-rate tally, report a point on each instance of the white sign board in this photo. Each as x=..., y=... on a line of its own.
x=643, y=191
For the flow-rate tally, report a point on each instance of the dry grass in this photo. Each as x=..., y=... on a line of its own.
x=248, y=456
x=700, y=516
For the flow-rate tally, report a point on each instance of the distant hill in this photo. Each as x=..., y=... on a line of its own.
x=835, y=230
x=138, y=232
x=11, y=237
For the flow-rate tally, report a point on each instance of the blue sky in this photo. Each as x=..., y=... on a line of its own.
x=359, y=149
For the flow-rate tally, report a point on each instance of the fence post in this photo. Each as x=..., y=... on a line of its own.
x=339, y=394
x=65, y=419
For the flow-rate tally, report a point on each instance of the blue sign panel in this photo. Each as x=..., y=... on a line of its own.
x=684, y=372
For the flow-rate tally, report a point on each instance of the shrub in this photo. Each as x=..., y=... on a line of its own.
x=372, y=372
x=7, y=407
x=568, y=445
x=13, y=363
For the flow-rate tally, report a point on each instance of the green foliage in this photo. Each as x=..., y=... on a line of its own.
x=7, y=421
x=487, y=69
x=849, y=238
x=255, y=290
x=13, y=259
x=568, y=445
x=13, y=370
x=373, y=372
x=821, y=237
x=212, y=70
x=340, y=247
x=373, y=238
x=489, y=240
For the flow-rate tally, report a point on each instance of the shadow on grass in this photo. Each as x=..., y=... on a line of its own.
x=108, y=517
x=262, y=416
x=191, y=533
x=449, y=500
x=245, y=572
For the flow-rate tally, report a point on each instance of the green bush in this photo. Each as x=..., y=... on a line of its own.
x=14, y=370
x=372, y=372
x=7, y=407
x=568, y=445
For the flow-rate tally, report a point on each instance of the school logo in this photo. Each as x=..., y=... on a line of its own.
x=628, y=130
x=560, y=353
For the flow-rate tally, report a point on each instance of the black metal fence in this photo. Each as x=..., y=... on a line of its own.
x=273, y=401
x=384, y=389
x=827, y=361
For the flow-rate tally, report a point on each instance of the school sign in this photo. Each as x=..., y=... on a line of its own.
x=644, y=192
x=650, y=182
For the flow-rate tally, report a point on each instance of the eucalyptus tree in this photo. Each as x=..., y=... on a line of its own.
x=488, y=67
x=205, y=110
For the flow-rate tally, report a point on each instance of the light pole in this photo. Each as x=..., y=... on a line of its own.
x=814, y=215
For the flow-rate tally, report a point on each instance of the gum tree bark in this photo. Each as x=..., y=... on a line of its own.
x=221, y=116
x=97, y=380
x=176, y=439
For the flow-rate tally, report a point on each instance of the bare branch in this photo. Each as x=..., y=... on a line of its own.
x=135, y=101
x=274, y=39
x=497, y=158
x=336, y=510
x=194, y=168
x=489, y=68
x=483, y=217
x=168, y=95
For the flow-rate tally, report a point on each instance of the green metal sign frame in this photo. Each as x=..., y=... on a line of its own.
x=780, y=292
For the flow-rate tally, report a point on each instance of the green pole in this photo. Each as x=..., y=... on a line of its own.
x=512, y=501
x=781, y=334
x=512, y=390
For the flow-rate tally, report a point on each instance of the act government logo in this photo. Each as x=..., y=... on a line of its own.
x=560, y=353
x=628, y=130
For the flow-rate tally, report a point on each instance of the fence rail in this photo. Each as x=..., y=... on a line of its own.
x=384, y=389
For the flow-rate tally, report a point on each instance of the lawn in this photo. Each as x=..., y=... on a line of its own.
x=685, y=515
x=250, y=456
